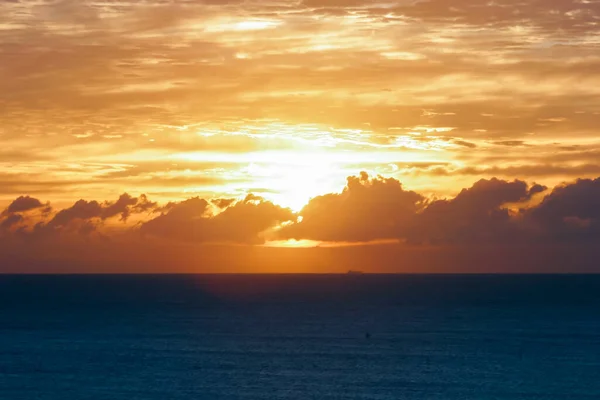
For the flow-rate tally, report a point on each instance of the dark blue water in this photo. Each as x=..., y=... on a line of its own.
x=299, y=337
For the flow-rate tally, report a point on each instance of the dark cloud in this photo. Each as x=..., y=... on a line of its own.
x=11, y=220
x=24, y=203
x=178, y=220
x=475, y=215
x=121, y=206
x=87, y=210
x=372, y=209
x=570, y=212
x=81, y=210
x=492, y=218
x=537, y=188
x=19, y=211
x=143, y=204
x=492, y=211
x=241, y=222
x=367, y=209
x=82, y=218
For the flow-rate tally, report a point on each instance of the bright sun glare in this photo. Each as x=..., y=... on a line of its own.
x=295, y=185
x=287, y=178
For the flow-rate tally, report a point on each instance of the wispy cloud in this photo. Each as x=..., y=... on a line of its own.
x=214, y=97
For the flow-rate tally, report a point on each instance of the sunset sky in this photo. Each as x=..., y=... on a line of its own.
x=422, y=131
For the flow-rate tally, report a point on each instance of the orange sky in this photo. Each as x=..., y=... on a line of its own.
x=286, y=100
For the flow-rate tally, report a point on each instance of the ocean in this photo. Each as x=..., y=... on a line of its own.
x=299, y=337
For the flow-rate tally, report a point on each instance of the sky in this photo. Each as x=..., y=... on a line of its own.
x=299, y=136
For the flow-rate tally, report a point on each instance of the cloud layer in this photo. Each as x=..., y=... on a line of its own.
x=194, y=221
x=491, y=214
x=211, y=98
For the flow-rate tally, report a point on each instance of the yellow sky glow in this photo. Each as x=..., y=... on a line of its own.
x=288, y=99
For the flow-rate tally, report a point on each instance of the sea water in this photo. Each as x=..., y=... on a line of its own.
x=299, y=337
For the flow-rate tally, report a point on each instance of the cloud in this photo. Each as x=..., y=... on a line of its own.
x=81, y=210
x=370, y=209
x=87, y=210
x=492, y=218
x=531, y=170
x=537, y=188
x=98, y=97
x=82, y=218
x=464, y=143
x=21, y=210
x=177, y=222
x=126, y=84
x=24, y=203
x=511, y=143
x=223, y=203
x=570, y=211
x=194, y=221
x=126, y=204
x=367, y=209
x=11, y=220
x=475, y=215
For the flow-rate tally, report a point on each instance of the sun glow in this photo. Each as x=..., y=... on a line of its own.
x=293, y=243
x=294, y=185
x=255, y=25
x=298, y=163
x=231, y=25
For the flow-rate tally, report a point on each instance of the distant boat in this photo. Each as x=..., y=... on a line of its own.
x=352, y=272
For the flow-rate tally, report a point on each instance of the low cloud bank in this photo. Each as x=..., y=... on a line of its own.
x=492, y=213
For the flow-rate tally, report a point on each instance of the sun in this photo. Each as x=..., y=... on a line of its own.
x=291, y=178
x=295, y=185
x=288, y=178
